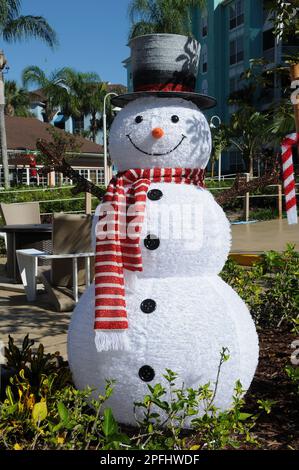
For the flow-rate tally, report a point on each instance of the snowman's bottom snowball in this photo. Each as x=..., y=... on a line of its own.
x=194, y=319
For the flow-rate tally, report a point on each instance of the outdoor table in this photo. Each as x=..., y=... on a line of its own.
x=36, y=236
x=28, y=263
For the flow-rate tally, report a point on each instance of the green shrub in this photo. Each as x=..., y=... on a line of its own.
x=267, y=213
x=43, y=410
x=270, y=288
x=53, y=196
x=293, y=375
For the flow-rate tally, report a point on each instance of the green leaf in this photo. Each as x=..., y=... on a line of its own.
x=39, y=412
x=9, y=395
x=244, y=416
x=110, y=426
x=63, y=412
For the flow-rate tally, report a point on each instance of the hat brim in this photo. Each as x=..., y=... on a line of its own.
x=202, y=101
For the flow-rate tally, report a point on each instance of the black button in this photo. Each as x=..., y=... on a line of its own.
x=148, y=306
x=151, y=242
x=154, y=194
x=146, y=373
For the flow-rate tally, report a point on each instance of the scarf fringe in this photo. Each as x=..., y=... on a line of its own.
x=111, y=340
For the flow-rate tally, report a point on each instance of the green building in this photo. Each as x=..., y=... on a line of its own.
x=231, y=33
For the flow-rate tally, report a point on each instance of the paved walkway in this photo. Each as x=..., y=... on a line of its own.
x=264, y=236
x=17, y=318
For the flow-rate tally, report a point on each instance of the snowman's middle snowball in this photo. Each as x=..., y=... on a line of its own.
x=132, y=144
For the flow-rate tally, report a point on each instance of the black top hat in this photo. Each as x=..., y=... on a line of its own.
x=165, y=65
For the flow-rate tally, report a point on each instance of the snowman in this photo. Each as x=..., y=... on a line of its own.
x=158, y=302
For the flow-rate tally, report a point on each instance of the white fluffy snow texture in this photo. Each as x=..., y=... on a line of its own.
x=197, y=314
x=194, y=151
x=195, y=318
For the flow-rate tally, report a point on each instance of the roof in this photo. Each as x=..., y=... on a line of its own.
x=23, y=132
x=37, y=95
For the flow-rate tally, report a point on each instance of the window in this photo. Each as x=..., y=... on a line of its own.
x=93, y=176
x=204, y=58
x=204, y=24
x=236, y=14
x=236, y=50
x=268, y=40
x=100, y=176
x=204, y=87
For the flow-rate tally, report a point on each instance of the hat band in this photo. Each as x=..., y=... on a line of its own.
x=164, y=87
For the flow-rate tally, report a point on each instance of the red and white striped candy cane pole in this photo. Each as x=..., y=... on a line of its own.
x=288, y=176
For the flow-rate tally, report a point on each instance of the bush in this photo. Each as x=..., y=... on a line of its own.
x=54, y=196
x=293, y=375
x=270, y=288
x=43, y=410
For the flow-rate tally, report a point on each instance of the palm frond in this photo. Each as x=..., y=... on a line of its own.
x=26, y=27
x=16, y=99
x=142, y=27
x=139, y=8
x=33, y=75
x=162, y=16
x=9, y=9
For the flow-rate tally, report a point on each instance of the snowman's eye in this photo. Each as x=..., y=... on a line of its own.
x=138, y=119
x=175, y=118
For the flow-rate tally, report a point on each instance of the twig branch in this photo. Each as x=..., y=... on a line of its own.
x=240, y=186
x=55, y=153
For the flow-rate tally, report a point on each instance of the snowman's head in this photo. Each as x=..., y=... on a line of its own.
x=160, y=132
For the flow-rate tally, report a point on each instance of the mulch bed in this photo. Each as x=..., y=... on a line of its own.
x=278, y=430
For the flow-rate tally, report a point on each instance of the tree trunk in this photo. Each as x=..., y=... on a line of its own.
x=251, y=166
x=3, y=134
x=212, y=167
x=93, y=127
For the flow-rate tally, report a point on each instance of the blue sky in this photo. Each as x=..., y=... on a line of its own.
x=92, y=36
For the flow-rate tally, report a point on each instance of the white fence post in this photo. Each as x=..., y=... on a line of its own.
x=247, y=199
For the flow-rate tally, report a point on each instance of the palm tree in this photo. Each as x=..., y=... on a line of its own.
x=16, y=100
x=285, y=20
x=80, y=86
x=15, y=27
x=162, y=16
x=248, y=133
x=56, y=95
x=93, y=104
x=281, y=121
x=75, y=93
x=220, y=142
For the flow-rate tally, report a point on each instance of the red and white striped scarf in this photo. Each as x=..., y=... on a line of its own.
x=118, y=245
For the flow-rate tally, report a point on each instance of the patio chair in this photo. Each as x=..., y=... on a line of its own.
x=70, y=260
x=3, y=235
x=20, y=213
x=71, y=235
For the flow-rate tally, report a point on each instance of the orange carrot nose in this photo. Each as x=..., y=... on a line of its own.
x=157, y=133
